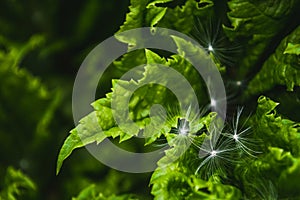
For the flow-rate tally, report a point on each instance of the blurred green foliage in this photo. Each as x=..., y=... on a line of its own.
x=42, y=44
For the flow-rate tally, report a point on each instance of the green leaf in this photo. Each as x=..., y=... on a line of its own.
x=91, y=193
x=181, y=18
x=90, y=129
x=16, y=52
x=88, y=193
x=142, y=13
x=274, y=130
x=288, y=187
x=18, y=86
x=271, y=174
x=260, y=177
x=17, y=185
x=135, y=17
x=148, y=13
x=256, y=23
x=292, y=49
x=280, y=69
x=131, y=60
x=155, y=15
x=101, y=124
x=141, y=95
x=27, y=104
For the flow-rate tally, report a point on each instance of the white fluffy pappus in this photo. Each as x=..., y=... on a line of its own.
x=215, y=153
x=210, y=35
x=241, y=135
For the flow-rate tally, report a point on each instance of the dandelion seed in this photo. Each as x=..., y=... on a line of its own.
x=265, y=189
x=236, y=84
x=183, y=131
x=210, y=48
x=210, y=35
x=215, y=161
x=239, y=83
x=213, y=103
x=217, y=99
x=185, y=125
x=233, y=89
x=215, y=155
x=240, y=135
x=182, y=128
x=236, y=137
x=188, y=123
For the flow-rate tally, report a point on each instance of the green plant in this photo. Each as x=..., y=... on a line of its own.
x=256, y=158
x=16, y=185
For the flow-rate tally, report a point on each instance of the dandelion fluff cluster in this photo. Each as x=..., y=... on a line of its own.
x=217, y=154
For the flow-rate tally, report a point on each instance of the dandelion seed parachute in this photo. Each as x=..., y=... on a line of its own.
x=264, y=190
x=185, y=125
x=215, y=99
x=216, y=154
x=210, y=48
x=210, y=35
x=240, y=135
x=234, y=88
